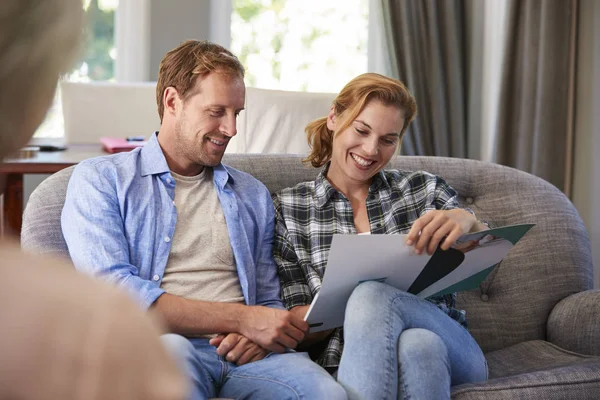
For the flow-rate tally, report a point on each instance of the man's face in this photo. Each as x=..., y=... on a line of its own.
x=206, y=120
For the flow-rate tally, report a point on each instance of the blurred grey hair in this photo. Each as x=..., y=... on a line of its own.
x=39, y=41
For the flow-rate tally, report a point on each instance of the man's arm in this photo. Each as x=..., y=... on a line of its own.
x=270, y=328
x=92, y=226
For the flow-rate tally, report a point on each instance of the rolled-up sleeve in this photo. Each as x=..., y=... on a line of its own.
x=93, y=228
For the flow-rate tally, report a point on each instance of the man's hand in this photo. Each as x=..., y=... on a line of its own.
x=437, y=225
x=237, y=348
x=271, y=328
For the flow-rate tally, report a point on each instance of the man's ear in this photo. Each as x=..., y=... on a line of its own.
x=331, y=119
x=171, y=100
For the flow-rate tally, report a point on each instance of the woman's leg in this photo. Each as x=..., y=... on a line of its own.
x=376, y=315
x=422, y=351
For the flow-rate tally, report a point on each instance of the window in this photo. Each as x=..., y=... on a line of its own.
x=308, y=45
x=97, y=62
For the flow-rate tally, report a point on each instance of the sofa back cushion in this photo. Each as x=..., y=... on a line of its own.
x=272, y=122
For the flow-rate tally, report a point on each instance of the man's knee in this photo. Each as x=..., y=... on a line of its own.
x=311, y=381
x=178, y=346
x=319, y=384
x=332, y=390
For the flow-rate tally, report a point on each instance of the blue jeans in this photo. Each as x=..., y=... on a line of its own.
x=399, y=346
x=277, y=376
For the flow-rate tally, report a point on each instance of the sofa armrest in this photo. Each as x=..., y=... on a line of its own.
x=574, y=323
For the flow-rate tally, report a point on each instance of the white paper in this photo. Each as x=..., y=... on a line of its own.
x=386, y=258
x=357, y=258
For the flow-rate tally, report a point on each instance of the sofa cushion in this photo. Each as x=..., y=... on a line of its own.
x=272, y=122
x=580, y=381
x=534, y=355
x=535, y=370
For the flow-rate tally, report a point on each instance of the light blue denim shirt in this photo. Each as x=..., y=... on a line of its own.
x=119, y=218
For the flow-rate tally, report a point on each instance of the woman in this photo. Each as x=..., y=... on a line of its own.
x=395, y=345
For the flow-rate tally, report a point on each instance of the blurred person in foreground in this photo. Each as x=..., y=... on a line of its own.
x=64, y=336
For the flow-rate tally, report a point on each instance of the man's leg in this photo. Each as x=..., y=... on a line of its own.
x=376, y=315
x=198, y=367
x=282, y=376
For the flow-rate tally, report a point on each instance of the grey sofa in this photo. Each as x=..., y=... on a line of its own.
x=536, y=316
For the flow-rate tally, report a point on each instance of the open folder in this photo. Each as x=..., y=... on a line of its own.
x=354, y=259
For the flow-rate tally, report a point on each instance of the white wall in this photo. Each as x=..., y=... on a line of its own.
x=586, y=180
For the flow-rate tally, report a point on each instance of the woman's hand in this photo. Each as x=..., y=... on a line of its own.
x=310, y=338
x=300, y=311
x=440, y=227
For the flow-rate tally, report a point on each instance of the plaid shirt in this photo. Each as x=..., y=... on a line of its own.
x=309, y=214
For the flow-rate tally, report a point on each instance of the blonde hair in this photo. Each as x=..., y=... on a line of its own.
x=349, y=103
x=181, y=67
x=39, y=40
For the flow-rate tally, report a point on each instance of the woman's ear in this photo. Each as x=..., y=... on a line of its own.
x=331, y=118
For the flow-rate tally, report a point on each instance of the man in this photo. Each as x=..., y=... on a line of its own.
x=191, y=238
x=64, y=335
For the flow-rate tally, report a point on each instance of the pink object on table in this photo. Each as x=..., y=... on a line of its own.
x=117, y=145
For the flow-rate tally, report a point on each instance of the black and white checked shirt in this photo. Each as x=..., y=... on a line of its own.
x=309, y=214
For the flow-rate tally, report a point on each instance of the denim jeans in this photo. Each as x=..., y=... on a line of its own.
x=278, y=376
x=399, y=346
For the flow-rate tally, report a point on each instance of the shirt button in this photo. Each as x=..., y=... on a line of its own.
x=155, y=278
x=485, y=297
x=169, y=180
x=469, y=200
x=167, y=239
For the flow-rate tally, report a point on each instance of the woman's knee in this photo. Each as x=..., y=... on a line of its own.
x=422, y=343
x=370, y=301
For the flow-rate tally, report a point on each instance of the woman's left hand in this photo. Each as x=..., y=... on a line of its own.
x=440, y=226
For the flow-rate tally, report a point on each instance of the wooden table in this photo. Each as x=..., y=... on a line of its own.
x=13, y=170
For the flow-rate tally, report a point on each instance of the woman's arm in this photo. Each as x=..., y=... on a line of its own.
x=295, y=290
x=442, y=221
x=311, y=338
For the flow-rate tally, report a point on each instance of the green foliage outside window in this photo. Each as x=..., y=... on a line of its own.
x=300, y=44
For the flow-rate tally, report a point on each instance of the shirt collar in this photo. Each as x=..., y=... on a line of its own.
x=152, y=158
x=221, y=175
x=154, y=162
x=325, y=191
x=379, y=181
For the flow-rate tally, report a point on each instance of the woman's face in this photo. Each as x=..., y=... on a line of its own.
x=366, y=146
